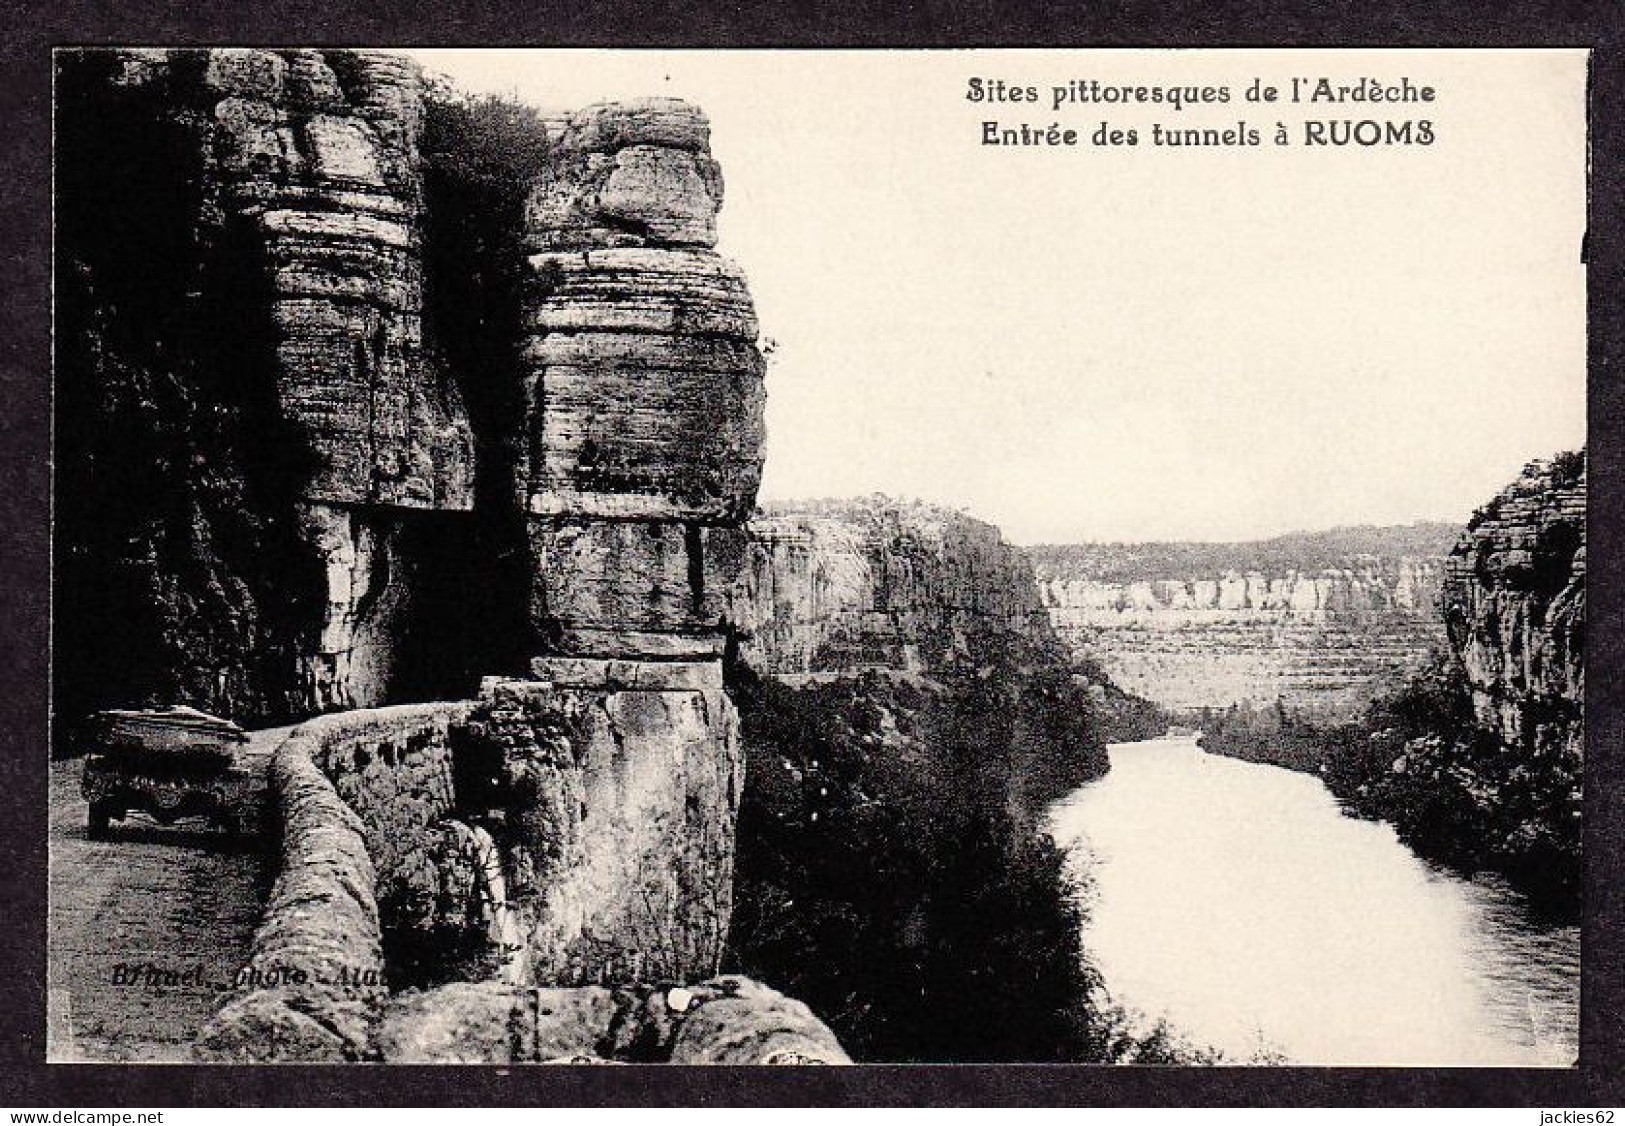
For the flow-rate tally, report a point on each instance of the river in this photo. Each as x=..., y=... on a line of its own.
x=1237, y=902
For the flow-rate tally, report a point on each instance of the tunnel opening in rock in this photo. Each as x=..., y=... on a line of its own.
x=180, y=573
x=481, y=157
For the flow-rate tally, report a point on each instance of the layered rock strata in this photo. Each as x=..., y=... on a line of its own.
x=282, y=356
x=618, y=810
x=640, y=461
x=573, y=830
x=1514, y=607
x=1321, y=637
x=644, y=432
x=317, y=152
x=879, y=584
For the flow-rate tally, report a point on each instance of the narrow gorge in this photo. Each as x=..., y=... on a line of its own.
x=416, y=437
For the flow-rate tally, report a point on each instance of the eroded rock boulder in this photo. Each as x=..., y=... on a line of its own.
x=619, y=809
x=728, y=1020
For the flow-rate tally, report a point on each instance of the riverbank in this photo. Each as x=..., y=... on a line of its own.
x=1236, y=903
x=1418, y=760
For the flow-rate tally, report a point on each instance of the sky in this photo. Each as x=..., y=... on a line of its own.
x=1138, y=343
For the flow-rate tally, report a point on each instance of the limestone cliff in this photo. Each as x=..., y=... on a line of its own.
x=1319, y=622
x=247, y=410
x=841, y=586
x=1478, y=760
x=908, y=717
x=281, y=501
x=1514, y=607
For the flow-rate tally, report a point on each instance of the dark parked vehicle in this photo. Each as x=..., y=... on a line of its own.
x=171, y=763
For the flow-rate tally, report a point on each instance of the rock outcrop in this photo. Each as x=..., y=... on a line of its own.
x=643, y=440
x=641, y=453
x=1319, y=623
x=567, y=839
x=1514, y=607
x=844, y=586
x=617, y=826
x=241, y=254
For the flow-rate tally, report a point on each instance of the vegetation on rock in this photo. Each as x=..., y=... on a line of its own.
x=481, y=157
x=893, y=871
x=1419, y=760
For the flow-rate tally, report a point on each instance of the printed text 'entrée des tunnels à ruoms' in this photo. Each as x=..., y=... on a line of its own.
x=1304, y=111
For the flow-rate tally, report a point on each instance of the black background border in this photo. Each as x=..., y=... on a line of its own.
x=32, y=29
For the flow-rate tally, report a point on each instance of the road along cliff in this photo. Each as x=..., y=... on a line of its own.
x=299, y=493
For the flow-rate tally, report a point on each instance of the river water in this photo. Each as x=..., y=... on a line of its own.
x=1236, y=902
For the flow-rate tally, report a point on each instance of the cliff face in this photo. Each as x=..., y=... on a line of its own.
x=269, y=467
x=879, y=584
x=1514, y=607
x=1318, y=625
x=247, y=409
x=909, y=717
x=1478, y=760
x=316, y=153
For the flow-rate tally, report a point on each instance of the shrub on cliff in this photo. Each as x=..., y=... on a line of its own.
x=481, y=155
x=1457, y=794
x=1418, y=759
x=890, y=868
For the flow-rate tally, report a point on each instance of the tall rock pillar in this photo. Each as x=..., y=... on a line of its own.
x=644, y=443
x=641, y=459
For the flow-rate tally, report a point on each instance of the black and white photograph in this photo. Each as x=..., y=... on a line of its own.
x=818, y=557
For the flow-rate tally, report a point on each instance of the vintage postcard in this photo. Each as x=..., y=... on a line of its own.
x=818, y=557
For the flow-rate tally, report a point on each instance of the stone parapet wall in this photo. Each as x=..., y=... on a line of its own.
x=619, y=806
x=315, y=978
x=582, y=836
x=365, y=801
x=393, y=768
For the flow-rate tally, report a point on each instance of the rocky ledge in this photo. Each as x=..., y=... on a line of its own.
x=1514, y=607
